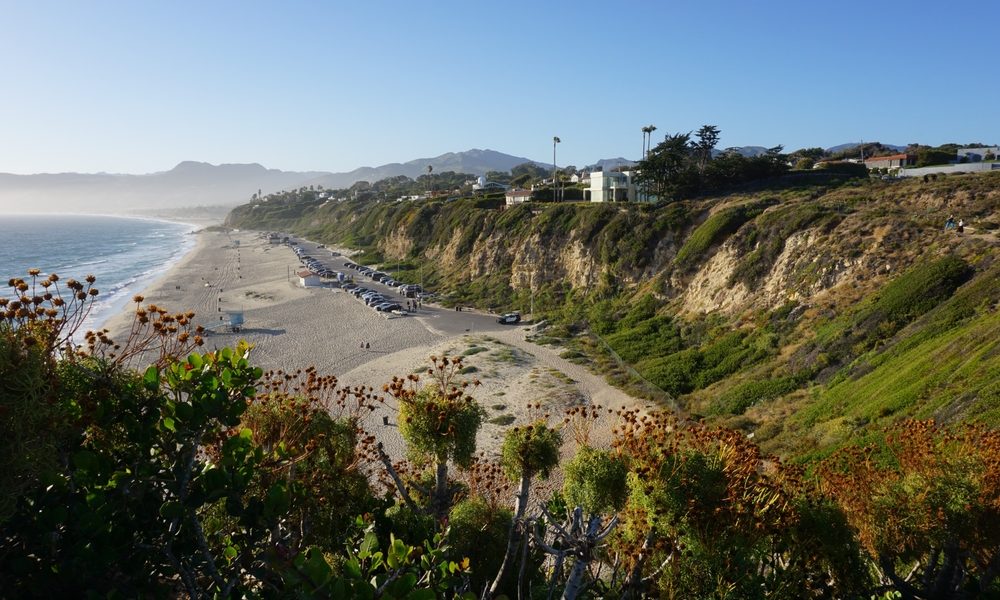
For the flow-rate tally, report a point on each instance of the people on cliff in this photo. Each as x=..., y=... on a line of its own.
x=950, y=223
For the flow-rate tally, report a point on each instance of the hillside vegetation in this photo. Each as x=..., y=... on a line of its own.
x=807, y=310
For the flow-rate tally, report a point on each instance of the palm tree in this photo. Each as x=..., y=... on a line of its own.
x=647, y=142
x=647, y=145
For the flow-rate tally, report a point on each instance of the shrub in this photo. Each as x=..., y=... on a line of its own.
x=651, y=338
x=595, y=480
x=478, y=531
x=673, y=373
x=738, y=399
x=530, y=450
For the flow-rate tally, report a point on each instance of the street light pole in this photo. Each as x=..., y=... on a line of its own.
x=555, y=140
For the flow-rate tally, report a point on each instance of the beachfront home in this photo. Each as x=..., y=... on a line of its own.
x=308, y=279
x=611, y=186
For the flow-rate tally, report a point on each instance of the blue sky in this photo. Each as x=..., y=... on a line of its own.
x=136, y=87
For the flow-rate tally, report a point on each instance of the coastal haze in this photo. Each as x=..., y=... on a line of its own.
x=193, y=184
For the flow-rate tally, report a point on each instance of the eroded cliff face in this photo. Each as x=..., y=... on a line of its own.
x=858, y=249
x=799, y=245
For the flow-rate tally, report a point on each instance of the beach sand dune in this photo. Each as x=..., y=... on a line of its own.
x=293, y=327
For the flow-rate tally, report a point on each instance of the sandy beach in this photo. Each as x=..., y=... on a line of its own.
x=292, y=327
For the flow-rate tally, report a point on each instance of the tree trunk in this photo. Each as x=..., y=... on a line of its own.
x=520, y=506
x=440, y=502
x=574, y=585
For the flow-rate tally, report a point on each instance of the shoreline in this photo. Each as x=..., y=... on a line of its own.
x=292, y=328
x=119, y=306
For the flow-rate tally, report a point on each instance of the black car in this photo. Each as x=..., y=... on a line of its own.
x=510, y=318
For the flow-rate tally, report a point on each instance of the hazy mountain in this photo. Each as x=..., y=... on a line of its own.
x=849, y=145
x=188, y=184
x=473, y=162
x=609, y=164
x=201, y=184
x=748, y=151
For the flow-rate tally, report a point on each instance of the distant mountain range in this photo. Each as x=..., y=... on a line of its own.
x=474, y=162
x=849, y=145
x=199, y=184
x=192, y=183
x=186, y=185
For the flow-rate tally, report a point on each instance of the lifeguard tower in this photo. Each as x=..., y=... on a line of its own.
x=235, y=318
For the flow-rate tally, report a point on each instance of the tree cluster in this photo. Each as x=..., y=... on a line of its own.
x=681, y=166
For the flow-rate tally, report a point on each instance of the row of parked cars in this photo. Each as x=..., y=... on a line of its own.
x=373, y=298
x=314, y=265
x=409, y=290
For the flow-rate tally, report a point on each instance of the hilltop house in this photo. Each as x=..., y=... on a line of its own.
x=517, y=196
x=891, y=162
x=482, y=186
x=611, y=186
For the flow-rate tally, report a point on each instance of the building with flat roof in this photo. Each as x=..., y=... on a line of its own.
x=611, y=186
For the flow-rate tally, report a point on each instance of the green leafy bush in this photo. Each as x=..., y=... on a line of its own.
x=738, y=399
x=478, y=531
x=673, y=373
x=595, y=480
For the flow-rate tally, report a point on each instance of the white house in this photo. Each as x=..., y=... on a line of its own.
x=517, y=196
x=308, y=279
x=611, y=186
x=483, y=186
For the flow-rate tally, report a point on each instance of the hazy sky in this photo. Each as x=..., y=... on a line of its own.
x=137, y=86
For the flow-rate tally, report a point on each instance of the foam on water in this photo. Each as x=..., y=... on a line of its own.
x=125, y=254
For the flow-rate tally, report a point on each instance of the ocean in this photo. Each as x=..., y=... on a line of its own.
x=125, y=254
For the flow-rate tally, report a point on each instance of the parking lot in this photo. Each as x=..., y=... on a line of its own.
x=389, y=297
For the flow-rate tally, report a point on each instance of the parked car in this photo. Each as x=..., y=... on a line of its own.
x=510, y=318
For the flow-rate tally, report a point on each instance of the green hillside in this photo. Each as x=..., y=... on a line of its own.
x=807, y=310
